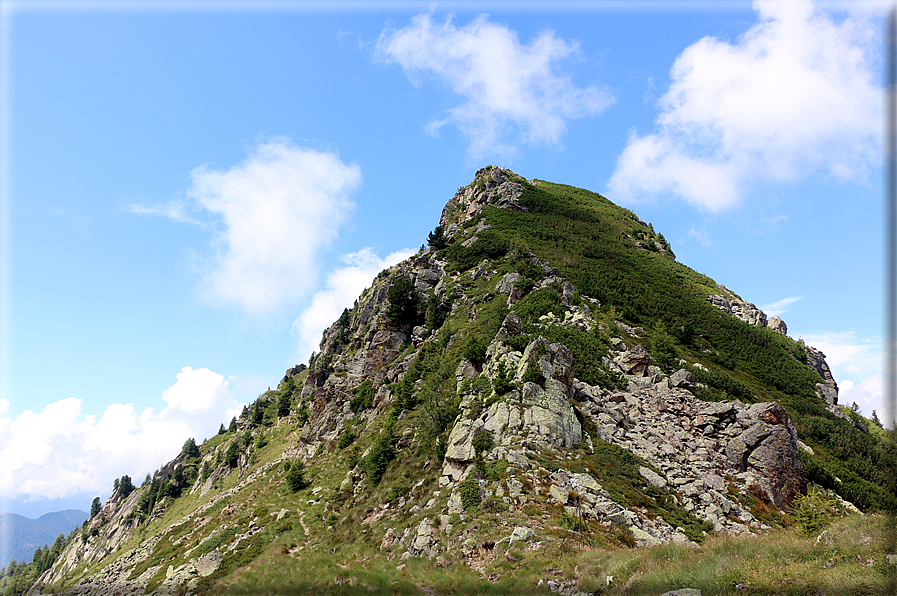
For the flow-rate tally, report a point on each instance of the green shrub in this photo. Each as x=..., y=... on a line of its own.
x=483, y=442
x=382, y=452
x=501, y=384
x=295, y=477
x=469, y=492
x=404, y=303
x=815, y=511
x=232, y=455
x=475, y=349
x=346, y=438
x=363, y=396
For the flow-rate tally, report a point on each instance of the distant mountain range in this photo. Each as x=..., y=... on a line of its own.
x=25, y=535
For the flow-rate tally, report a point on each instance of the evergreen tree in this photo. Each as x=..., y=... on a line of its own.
x=233, y=425
x=403, y=304
x=296, y=476
x=283, y=404
x=190, y=449
x=125, y=486
x=221, y=429
x=437, y=238
x=95, y=507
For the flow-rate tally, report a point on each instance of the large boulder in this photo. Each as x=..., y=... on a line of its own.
x=768, y=448
x=777, y=324
x=634, y=361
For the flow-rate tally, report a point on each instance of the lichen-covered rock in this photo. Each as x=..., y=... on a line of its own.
x=684, y=379
x=506, y=283
x=769, y=448
x=746, y=311
x=634, y=361
x=424, y=543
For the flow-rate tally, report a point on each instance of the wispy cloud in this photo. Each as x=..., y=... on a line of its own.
x=278, y=209
x=511, y=93
x=847, y=353
x=779, y=307
x=62, y=450
x=343, y=286
x=177, y=211
x=701, y=236
x=772, y=222
x=795, y=95
x=79, y=219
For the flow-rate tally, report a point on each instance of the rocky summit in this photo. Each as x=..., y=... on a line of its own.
x=541, y=379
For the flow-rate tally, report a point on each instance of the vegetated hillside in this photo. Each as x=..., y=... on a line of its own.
x=542, y=384
x=24, y=535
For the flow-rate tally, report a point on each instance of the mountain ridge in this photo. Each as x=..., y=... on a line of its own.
x=545, y=363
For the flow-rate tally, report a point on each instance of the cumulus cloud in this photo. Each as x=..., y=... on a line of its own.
x=64, y=451
x=279, y=208
x=779, y=307
x=848, y=354
x=511, y=92
x=869, y=395
x=856, y=364
x=343, y=286
x=794, y=96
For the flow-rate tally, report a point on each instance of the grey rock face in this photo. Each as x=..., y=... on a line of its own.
x=493, y=186
x=651, y=476
x=777, y=324
x=510, y=327
x=634, y=361
x=521, y=534
x=768, y=447
x=746, y=311
x=816, y=361
x=683, y=379
x=506, y=283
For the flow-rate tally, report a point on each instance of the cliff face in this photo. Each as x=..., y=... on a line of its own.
x=504, y=378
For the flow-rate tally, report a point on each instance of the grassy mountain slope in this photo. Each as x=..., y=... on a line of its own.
x=538, y=392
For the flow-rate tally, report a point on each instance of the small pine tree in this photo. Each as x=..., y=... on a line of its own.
x=437, y=238
x=190, y=449
x=95, y=507
x=283, y=404
x=232, y=455
x=403, y=304
x=296, y=476
x=221, y=429
x=233, y=425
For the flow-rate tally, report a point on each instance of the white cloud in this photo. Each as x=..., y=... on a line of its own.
x=779, y=307
x=177, y=210
x=857, y=364
x=63, y=451
x=279, y=208
x=510, y=92
x=869, y=395
x=344, y=285
x=848, y=355
x=794, y=96
x=702, y=236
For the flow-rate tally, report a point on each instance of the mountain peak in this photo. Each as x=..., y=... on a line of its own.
x=544, y=364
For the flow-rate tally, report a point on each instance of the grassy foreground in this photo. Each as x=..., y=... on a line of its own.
x=849, y=558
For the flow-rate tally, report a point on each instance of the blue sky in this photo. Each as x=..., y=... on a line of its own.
x=193, y=191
